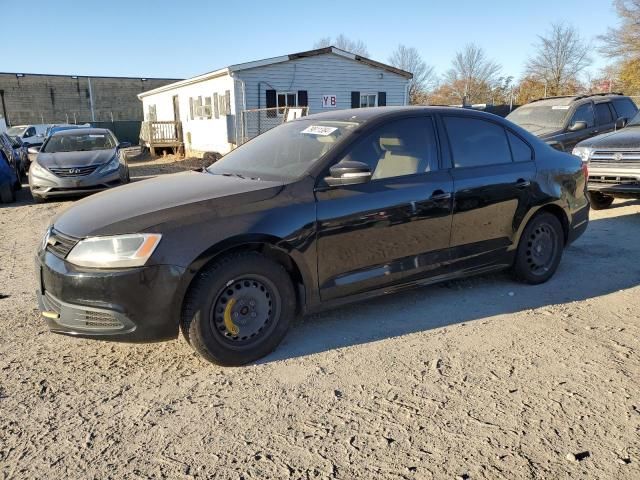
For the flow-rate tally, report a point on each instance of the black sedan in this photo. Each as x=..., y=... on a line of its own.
x=317, y=212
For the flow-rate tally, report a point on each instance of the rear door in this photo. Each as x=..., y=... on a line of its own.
x=394, y=228
x=494, y=173
x=605, y=117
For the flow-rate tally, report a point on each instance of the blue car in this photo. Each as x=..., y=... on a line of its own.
x=8, y=180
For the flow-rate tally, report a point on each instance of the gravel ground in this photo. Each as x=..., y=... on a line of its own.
x=481, y=378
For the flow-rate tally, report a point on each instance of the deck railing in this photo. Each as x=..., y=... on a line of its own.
x=161, y=133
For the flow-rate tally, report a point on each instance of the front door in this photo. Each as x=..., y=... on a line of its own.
x=584, y=113
x=176, y=116
x=396, y=227
x=494, y=183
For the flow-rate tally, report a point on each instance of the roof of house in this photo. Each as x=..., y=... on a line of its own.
x=274, y=60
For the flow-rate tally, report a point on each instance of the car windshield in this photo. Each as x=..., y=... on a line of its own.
x=285, y=152
x=16, y=131
x=79, y=142
x=532, y=117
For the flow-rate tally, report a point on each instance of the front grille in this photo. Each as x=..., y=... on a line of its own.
x=60, y=244
x=615, y=158
x=613, y=179
x=82, y=318
x=73, y=171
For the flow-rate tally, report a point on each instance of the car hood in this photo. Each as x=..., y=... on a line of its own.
x=140, y=206
x=542, y=132
x=628, y=137
x=75, y=159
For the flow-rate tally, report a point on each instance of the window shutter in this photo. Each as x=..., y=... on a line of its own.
x=227, y=102
x=191, y=108
x=216, y=106
x=382, y=99
x=271, y=102
x=303, y=98
x=355, y=99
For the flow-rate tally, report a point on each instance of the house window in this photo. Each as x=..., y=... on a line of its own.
x=286, y=99
x=368, y=100
x=152, y=116
x=207, y=107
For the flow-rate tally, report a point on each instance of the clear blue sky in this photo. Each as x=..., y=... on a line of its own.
x=182, y=38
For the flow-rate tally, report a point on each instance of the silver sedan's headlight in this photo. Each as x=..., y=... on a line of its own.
x=583, y=152
x=37, y=171
x=120, y=251
x=112, y=166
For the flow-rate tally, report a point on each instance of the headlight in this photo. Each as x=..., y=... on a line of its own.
x=583, y=152
x=37, y=171
x=112, y=166
x=119, y=251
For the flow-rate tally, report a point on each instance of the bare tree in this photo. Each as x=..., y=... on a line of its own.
x=472, y=75
x=623, y=41
x=560, y=56
x=344, y=43
x=424, y=77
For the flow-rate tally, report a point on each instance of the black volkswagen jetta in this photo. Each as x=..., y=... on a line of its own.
x=319, y=211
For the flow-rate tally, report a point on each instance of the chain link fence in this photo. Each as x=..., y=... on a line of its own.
x=258, y=120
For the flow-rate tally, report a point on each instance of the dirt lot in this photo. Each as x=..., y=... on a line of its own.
x=482, y=378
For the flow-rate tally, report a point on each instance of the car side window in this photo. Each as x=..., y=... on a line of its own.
x=584, y=113
x=603, y=113
x=625, y=108
x=31, y=132
x=397, y=148
x=475, y=142
x=520, y=150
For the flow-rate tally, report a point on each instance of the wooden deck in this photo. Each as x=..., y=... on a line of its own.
x=155, y=135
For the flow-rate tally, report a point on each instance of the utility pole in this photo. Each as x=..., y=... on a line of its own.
x=93, y=113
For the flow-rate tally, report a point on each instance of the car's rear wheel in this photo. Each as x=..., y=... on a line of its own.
x=238, y=309
x=7, y=193
x=540, y=249
x=600, y=201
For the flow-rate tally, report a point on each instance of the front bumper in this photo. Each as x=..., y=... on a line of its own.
x=49, y=185
x=127, y=305
x=614, y=180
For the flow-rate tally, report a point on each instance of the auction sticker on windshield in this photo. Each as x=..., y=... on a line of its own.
x=319, y=130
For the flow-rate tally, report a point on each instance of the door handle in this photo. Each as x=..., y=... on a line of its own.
x=522, y=183
x=440, y=195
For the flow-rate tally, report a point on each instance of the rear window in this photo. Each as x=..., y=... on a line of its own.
x=625, y=108
x=603, y=113
x=476, y=142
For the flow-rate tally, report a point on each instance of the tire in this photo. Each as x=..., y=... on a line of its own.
x=246, y=288
x=7, y=193
x=600, y=201
x=540, y=249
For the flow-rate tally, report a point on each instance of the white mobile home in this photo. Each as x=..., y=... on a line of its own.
x=219, y=110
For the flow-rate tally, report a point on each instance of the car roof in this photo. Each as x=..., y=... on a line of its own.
x=76, y=131
x=361, y=115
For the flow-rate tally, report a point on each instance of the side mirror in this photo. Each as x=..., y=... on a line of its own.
x=33, y=150
x=348, y=173
x=621, y=123
x=580, y=125
x=124, y=144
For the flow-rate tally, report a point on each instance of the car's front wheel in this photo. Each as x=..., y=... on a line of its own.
x=238, y=309
x=540, y=249
x=600, y=201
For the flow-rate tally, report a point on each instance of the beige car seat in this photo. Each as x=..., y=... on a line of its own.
x=395, y=161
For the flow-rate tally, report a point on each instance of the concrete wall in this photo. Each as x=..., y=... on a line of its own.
x=57, y=98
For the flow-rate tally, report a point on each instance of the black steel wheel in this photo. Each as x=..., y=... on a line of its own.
x=540, y=249
x=238, y=309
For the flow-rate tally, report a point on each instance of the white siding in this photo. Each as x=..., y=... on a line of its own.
x=203, y=135
x=326, y=74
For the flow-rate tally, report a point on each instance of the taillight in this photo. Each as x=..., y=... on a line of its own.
x=585, y=169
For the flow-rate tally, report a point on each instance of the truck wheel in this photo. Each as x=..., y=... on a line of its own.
x=238, y=309
x=600, y=201
x=540, y=249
